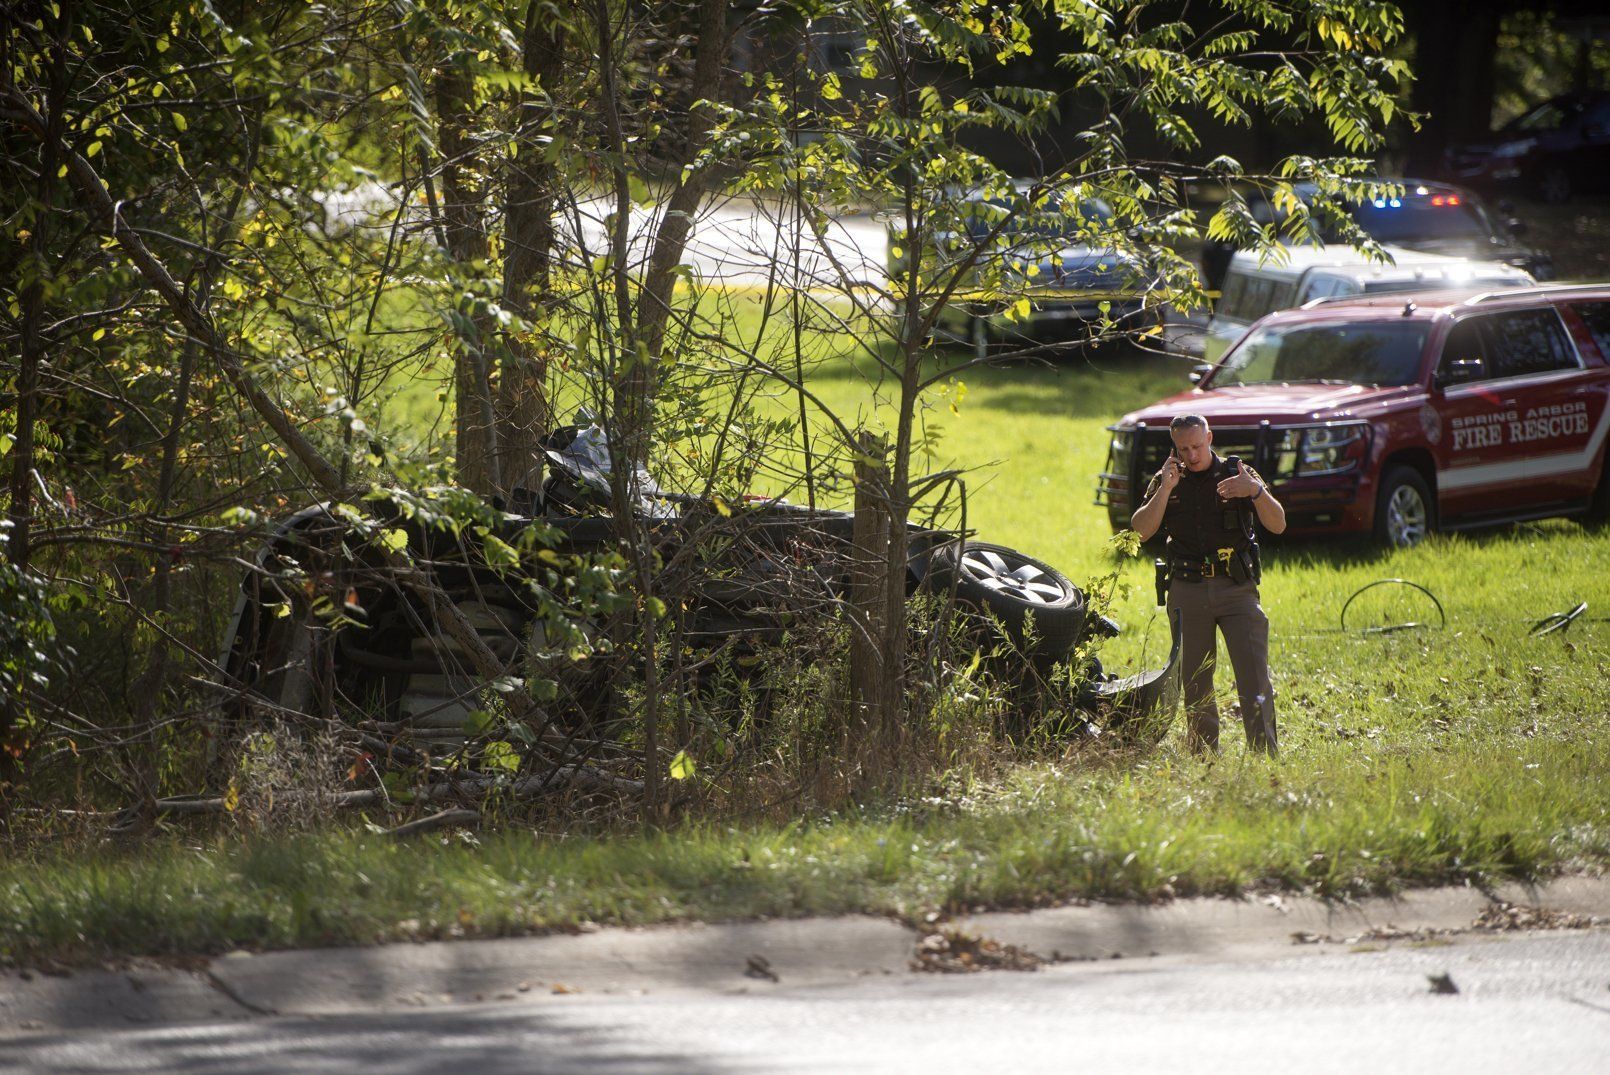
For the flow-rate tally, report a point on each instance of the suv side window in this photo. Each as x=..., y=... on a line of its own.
x=1528, y=341
x=1464, y=355
x=1315, y=287
x=1235, y=286
x=1506, y=345
x=1248, y=296
x=1255, y=298
x=1596, y=315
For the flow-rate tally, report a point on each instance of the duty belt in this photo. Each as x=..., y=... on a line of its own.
x=1191, y=569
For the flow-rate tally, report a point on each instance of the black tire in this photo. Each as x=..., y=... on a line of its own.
x=1013, y=587
x=1405, y=510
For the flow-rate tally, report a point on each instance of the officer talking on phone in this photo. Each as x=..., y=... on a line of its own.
x=1209, y=508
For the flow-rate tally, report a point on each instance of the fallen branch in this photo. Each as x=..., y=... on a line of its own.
x=445, y=819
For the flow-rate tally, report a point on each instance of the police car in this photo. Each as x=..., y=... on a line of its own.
x=1434, y=218
x=1401, y=414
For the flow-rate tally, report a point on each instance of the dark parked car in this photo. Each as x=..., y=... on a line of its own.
x=1062, y=278
x=1434, y=218
x=1555, y=150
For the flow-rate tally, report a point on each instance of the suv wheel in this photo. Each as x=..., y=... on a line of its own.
x=1404, y=511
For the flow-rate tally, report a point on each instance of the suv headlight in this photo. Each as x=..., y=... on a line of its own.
x=1309, y=451
x=1118, y=449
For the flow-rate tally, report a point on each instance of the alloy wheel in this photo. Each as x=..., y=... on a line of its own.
x=1406, y=516
x=1008, y=575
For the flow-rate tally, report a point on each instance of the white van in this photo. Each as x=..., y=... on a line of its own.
x=1253, y=288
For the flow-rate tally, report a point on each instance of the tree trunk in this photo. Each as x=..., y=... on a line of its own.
x=1453, y=86
x=528, y=244
x=464, y=226
x=875, y=651
x=634, y=397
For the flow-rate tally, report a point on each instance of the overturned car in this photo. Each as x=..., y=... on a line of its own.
x=347, y=610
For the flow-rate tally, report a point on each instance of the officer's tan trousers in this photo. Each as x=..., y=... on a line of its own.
x=1231, y=607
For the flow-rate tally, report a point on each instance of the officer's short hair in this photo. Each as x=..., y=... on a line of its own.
x=1187, y=421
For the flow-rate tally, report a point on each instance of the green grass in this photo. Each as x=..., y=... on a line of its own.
x=1426, y=756
x=1338, y=818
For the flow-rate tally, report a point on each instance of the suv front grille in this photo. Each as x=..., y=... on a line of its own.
x=1123, y=492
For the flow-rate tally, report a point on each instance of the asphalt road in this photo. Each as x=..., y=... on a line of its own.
x=1525, y=1002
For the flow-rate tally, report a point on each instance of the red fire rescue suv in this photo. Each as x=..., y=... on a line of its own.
x=1402, y=414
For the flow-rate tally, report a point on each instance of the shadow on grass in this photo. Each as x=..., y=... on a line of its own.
x=1296, y=555
x=1063, y=382
x=1299, y=553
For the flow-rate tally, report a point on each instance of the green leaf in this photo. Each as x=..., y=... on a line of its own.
x=396, y=785
x=682, y=766
x=501, y=755
x=394, y=540
x=499, y=553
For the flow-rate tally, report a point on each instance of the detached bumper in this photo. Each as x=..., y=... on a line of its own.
x=1146, y=699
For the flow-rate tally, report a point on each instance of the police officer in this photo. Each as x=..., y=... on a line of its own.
x=1207, y=506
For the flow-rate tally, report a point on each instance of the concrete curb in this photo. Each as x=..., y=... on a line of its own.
x=732, y=958
x=1260, y=926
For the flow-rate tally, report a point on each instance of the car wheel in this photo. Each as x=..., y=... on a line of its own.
x=1015, y=589
x=1554, y=184
x=1405, y=513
